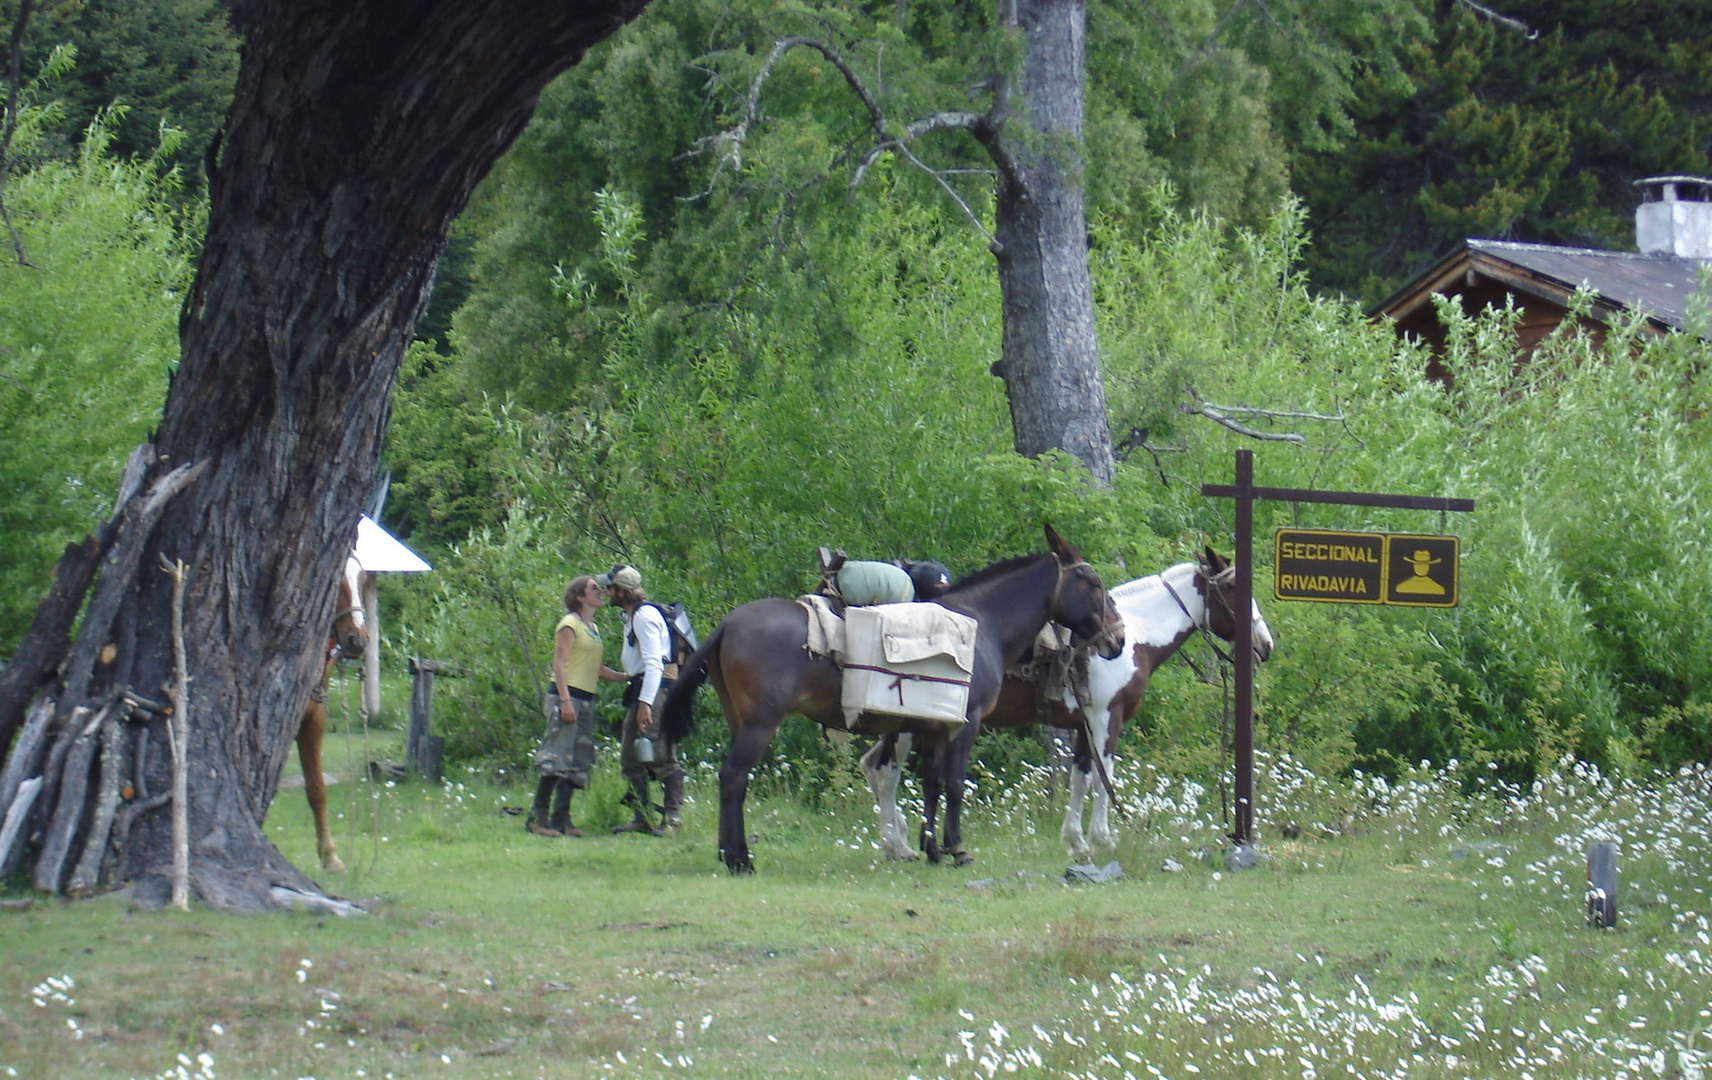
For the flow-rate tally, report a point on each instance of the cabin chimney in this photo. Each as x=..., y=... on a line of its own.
x=1675, y=216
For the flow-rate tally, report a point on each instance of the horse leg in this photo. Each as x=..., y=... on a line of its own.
x=1099, y=821
x=1071, y=834
x=309, y=737
x=956, y=769
x=747, y=744
x=883, y=766
x=932, y=761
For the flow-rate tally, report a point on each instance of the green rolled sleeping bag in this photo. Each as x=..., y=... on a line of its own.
x=863, y=583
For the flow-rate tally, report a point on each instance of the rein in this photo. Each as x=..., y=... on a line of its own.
x=1100, y=766
x=1093, y=642
x=1105, y=632
x=1226, y=662
x=1201, y=625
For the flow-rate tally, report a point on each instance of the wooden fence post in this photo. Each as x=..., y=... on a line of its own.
x=1602, y=885
x=422, y=750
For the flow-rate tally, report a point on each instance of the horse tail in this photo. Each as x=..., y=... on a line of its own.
x=676, y=713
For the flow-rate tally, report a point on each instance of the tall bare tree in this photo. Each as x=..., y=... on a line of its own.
x=1032, y=130
x=358, y=131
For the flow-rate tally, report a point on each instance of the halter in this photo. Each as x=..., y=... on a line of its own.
x=1219, y=580
x=1105, y=630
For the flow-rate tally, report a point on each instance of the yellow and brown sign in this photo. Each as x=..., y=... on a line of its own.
x=1365, y=568
x=1337, y=567
x=1422, y=571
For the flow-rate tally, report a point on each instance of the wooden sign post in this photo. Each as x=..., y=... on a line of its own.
x=1398, y=587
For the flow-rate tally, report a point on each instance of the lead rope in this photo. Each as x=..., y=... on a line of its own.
x=1225, y=663
x=1087, y=728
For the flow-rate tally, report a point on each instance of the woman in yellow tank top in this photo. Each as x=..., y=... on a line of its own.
x=566, y=756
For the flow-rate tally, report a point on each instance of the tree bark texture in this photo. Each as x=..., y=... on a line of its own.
x=1051, y=358
x=358, y=130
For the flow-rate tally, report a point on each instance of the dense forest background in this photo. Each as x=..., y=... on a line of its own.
x=652, y=344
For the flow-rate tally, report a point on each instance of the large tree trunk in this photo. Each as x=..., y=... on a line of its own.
x=358, y=131
x=1051, y=357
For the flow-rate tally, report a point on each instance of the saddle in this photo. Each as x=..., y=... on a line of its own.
x=1058, y=670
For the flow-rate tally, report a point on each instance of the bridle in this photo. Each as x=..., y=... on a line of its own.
x=1218, y=582
x=1092, y=641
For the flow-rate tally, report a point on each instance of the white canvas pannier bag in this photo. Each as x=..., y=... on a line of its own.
x=907, y=660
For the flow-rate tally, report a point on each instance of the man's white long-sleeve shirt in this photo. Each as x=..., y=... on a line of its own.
x=647, y=646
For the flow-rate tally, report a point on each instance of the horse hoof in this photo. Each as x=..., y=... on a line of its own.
x=962, y=858
x=332, y=864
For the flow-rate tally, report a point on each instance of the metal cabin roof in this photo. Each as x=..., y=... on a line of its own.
x=1659, y=286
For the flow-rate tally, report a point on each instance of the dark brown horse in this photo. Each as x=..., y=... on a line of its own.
x=349, y=637
x=762, y=670
x=1160, y=614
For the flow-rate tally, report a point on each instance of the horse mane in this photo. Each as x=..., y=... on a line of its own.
x=997, y=569
x=1141, y=585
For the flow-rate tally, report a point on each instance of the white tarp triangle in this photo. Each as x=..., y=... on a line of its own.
x=380, y=552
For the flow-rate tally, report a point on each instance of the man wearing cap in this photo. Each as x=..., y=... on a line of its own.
x=645, y=658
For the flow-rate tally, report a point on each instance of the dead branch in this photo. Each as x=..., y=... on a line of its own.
x=1271, y=414
x=85, y=875
x=118, y=570
x=178, y=735
x=15, y=817
x=48, y=639
x=1241, y=429
x=1505, y=21
x=728, y=144
x=26, y=755
x=68, y=808
x=1225, y=416
x=944, y=121
x=321, y=905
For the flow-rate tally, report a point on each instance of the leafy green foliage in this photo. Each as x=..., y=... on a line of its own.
x=447, y=451
x=1186, y=92
x=719, y=478
x=169, y=63
x=1498, y=134
x=88, y=338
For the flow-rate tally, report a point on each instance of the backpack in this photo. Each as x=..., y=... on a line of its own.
x=678, y=625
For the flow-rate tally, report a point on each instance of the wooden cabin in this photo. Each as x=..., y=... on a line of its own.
x=1673, y=229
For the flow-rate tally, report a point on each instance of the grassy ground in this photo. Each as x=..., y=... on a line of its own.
x=1407, y=932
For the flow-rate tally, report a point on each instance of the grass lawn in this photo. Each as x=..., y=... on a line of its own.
x=1409, y=931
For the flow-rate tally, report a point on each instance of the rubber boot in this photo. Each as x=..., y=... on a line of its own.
x=561, y=821
x=537, y=822
x=638, y=800
x=674, y=797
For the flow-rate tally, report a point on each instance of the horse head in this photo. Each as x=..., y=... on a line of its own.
x=1216, y=580
x=1081, y=602
x=350, y=628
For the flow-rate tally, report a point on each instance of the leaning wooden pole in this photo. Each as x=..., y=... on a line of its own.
x=178, y=734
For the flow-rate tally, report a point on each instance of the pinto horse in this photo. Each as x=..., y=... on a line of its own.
x=348, y=638
x=1160, y=613
x=762, y=670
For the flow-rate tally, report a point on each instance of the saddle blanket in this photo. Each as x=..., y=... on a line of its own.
x=825, y=628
